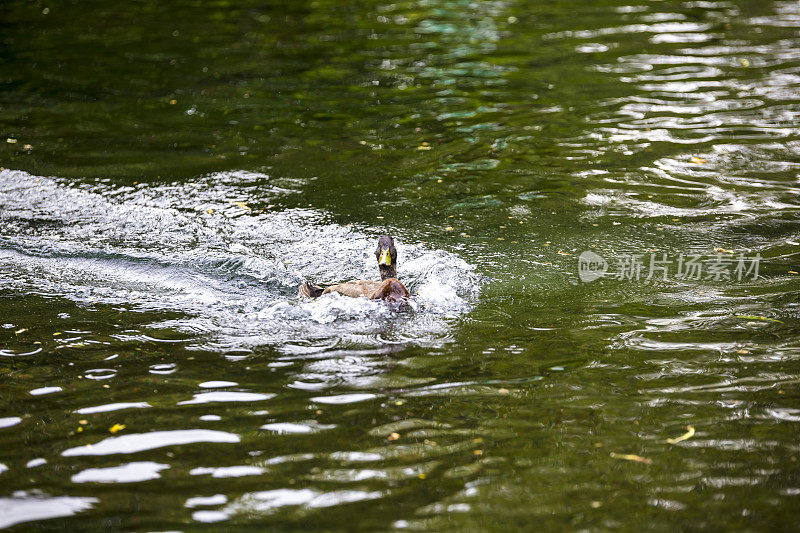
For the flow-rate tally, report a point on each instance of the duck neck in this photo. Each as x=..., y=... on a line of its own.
x=388, y=272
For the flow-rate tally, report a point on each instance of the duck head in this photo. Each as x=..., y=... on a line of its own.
x=387, y=257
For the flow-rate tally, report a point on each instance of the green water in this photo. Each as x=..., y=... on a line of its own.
x=173, y=170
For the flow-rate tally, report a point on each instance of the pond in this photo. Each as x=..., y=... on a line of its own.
x=596, y=211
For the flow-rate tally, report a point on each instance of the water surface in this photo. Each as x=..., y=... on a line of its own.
x=171, y=173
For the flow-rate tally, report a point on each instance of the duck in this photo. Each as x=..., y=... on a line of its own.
x=388, y=289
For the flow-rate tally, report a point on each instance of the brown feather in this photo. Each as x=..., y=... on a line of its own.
x=391, y=290
x=355, y=288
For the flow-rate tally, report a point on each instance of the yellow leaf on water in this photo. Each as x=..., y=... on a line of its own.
x=242, y=205
x=424, y=147
x=765, y=319
x=631, y=457
x=689, y=434
x=393, y=436
x=722, y=251
x=21, y=330
x=116, y=427
x=697, y=160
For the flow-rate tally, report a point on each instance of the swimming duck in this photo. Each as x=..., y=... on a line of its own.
x=388, y=289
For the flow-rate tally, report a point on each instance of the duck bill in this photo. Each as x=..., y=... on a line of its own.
x=385, y=259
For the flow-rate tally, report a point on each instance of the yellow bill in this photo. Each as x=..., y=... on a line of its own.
x=385, y=258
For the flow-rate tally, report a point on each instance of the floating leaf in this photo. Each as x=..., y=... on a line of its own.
x=631, y=457
x=689, y=434
x=697, y=160
x=763, y=318
x=116, y=427
x=393, y=436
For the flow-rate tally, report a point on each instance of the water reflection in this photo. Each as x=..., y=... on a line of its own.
x=147, y=441
x=127, y=473
x=24, y=507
